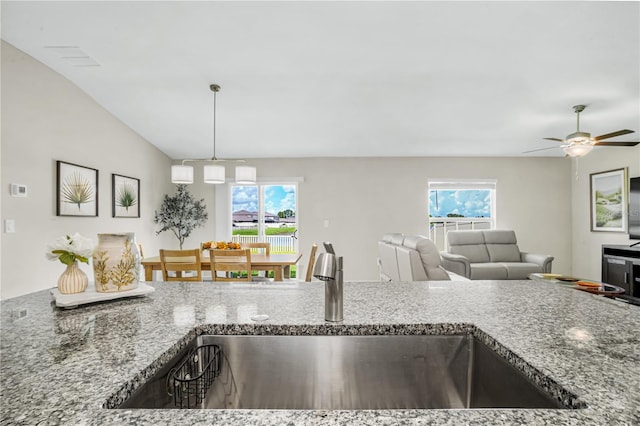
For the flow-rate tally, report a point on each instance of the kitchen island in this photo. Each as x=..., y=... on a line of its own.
x=65, y=366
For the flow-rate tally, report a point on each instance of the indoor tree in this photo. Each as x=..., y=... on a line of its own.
x=181, y=214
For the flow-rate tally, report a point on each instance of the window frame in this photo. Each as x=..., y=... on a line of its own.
x=457, y=185
x=261, y=185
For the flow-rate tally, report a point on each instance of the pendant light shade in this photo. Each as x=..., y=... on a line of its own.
x=214, y=174
x=245, y=175
x=181, y=174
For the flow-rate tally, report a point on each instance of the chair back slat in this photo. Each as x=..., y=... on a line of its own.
x=179, y=261
x=227, y=261
x=257, y=247
x=312, y=260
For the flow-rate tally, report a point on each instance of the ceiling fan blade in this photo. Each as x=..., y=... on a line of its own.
x=554, y=139
x=613, y=134
x=620, y=143
x=539, y=149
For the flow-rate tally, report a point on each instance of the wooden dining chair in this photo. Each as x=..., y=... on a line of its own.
x=229, y=262
x=257, y=248
x=312, y=260
x=180, y=262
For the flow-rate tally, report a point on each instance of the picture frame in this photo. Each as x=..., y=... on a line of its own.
x=76, y=190
x=125, y=196
x=609, y=200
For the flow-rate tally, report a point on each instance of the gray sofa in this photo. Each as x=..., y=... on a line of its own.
x=491, y=255
x=410, y=258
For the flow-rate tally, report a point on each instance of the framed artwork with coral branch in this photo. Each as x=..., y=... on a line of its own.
x=76, y=190
x=125, y=198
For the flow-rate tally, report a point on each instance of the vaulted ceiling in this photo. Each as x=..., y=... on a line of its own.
x=325, y=79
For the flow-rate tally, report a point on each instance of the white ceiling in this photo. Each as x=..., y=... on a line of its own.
x=324, y=79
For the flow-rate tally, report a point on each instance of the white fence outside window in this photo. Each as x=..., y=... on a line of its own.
x=278, y=243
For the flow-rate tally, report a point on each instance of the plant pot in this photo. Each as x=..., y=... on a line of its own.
x=73, y=280
x=116, y=263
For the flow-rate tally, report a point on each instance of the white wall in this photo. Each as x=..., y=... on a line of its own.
x=587, y=245
x=363, y=198
x=46, y=118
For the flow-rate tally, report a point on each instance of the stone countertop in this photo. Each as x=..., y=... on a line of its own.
x=63, y=366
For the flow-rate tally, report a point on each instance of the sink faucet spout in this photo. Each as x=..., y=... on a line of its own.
x=328, y=268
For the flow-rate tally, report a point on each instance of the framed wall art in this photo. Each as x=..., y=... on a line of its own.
x=609, y=201
x=76, y=190
x=125, y=196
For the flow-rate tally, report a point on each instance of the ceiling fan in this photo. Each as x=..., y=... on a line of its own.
x=579, y=143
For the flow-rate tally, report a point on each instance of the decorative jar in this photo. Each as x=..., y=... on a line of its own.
x=116, y=263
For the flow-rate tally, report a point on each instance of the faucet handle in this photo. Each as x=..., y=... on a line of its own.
x=328, y=247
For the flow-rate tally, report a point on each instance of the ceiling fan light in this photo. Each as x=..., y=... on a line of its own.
x=245, y=175
x=579, y=150
x=214, y=174
x=181, y=174
x=580, y=137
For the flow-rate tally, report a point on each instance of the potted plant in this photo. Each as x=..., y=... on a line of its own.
x=181, y=214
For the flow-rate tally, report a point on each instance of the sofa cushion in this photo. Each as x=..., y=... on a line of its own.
x=429, y=255
x=503, y=252
x=501, y=245
x=521, y=270
x=397, y=239
x=476, y=253
x=500, y=236
x=469, y=244
x=460, y=238
x=410, y=265
x=488, y=271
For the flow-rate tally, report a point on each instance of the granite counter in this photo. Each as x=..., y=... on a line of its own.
x=65, y=366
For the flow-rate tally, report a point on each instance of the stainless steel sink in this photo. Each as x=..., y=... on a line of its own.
x=354, y=373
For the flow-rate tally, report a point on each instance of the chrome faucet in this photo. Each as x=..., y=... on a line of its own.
x=328, y=268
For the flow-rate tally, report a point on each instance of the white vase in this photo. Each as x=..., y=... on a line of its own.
x=116, y=263
x=73, y=280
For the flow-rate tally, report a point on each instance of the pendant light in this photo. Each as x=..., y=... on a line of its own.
x=213, y=173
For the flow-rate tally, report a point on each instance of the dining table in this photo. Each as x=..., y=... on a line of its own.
x=279, y=263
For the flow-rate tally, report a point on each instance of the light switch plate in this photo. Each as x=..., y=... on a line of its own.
x=18, y=190
x=9, y=226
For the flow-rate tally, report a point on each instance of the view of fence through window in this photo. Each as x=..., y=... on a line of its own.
x=455, y=205
x=265, y=213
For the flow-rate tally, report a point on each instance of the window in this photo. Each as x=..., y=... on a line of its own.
x=460, y=204
x=265, y=212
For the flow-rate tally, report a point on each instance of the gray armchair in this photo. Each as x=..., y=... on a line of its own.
x=491, y=255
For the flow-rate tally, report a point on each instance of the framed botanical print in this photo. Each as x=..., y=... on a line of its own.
x=76, y=190
x=609, y=201
x=125, y=196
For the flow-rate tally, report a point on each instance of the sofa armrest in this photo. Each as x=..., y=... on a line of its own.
x=544, y=260
x=456, y=263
